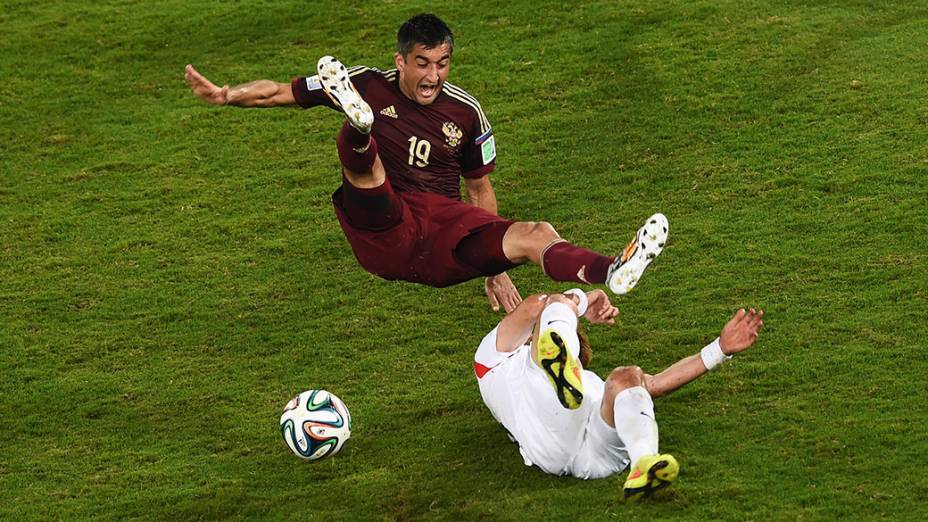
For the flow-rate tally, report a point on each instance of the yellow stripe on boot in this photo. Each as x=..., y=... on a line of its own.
x=649, y=474
x=562, y=368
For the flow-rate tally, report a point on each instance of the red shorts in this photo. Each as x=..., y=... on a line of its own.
x=417, y=236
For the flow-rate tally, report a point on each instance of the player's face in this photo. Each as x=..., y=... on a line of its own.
x=423, y=71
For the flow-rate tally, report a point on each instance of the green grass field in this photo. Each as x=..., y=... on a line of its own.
x=171, y=273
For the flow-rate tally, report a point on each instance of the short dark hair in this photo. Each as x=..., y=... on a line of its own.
x=426, y=29
x=586, y=351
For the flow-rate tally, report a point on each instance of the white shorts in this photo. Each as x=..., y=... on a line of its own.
x=557, y=440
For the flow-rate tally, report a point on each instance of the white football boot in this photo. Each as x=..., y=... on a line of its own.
x=628, y=267
x=333, y=76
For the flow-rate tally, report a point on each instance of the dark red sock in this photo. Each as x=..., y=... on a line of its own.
x=566, y=262
x=356, y=150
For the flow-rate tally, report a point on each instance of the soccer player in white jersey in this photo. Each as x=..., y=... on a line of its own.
x=569, y=421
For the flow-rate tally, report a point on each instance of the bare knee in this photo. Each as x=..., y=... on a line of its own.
x=526, y=240
x=623, y=378
x=542, y=231
x=533, y=231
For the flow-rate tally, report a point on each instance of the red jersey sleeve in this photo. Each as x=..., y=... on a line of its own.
x=479, y=155
x=307, y=91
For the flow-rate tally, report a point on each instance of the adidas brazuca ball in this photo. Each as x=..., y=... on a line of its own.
x=315, y=424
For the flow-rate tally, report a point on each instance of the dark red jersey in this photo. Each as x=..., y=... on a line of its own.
x=424, y=148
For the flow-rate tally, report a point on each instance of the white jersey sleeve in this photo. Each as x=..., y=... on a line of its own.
x=487, y=357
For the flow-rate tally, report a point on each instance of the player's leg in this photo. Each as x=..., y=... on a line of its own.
x=366, y=199
x=627, y=406
x=357, y=149
x=633, y=418
x=556, y=350
x=539, y=243
x=357, y=153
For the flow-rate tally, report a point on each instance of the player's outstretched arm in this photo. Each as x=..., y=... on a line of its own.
x=737, y=335
x=260, y=93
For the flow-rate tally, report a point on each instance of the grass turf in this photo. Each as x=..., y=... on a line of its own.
x=172, y=273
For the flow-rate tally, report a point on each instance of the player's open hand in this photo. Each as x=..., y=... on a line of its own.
x=600, y=310
x=501, y=291
x=741, y=332
x=205, y=89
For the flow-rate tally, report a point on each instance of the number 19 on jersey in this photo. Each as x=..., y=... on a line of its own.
x=419, y=150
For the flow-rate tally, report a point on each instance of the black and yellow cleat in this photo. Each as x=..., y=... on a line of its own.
x=650, y=474
x=562, y=368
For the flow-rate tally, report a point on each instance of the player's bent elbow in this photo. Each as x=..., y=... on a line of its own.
x=534, y=304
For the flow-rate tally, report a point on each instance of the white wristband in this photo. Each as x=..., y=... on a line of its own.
x=581, y=296
x=712, y=355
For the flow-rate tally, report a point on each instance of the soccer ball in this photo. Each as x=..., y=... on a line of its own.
x=315, y=424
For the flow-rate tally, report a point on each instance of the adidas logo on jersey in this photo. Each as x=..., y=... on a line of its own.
x=390, y=112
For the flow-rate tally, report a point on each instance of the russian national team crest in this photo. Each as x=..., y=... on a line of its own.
x=452, y=133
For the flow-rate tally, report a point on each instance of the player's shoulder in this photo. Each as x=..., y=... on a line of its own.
x=465, y=99
x=459, y=93
x=360, y=71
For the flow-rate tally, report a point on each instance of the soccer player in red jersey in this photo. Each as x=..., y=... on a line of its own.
x=412, y=137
